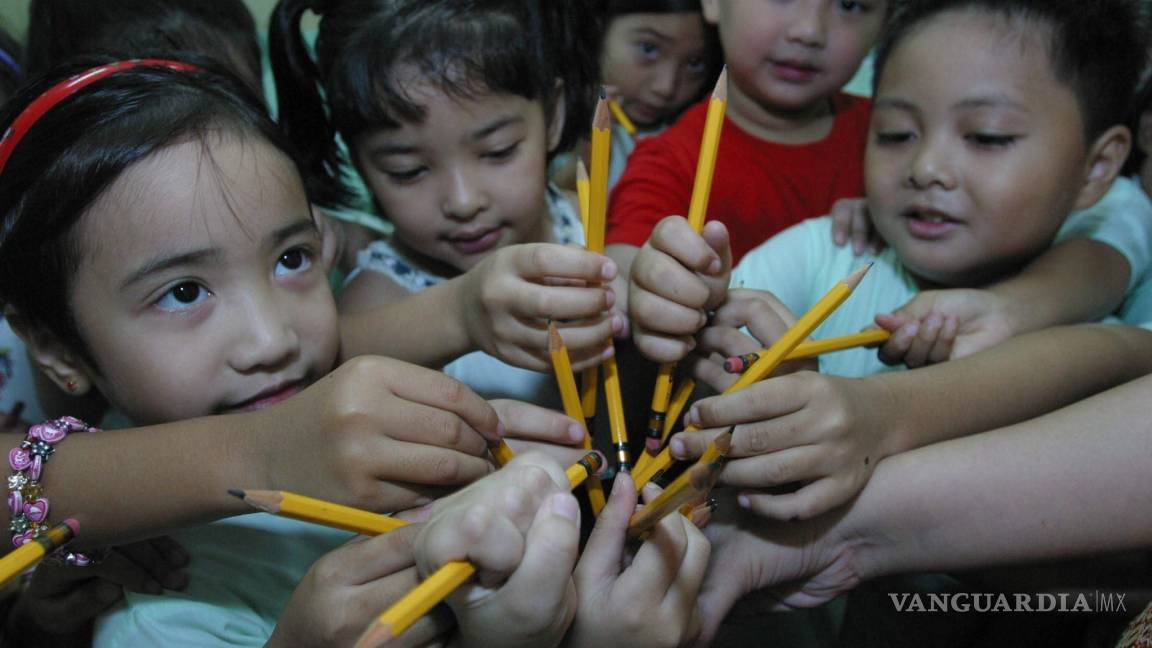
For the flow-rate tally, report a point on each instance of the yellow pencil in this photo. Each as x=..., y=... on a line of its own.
x=588, y=379
x=680, y=398
x=622, y=117
x=21, y=558
x=501, y=453
x=771, y=358
x=582, y=194
x=697, y=212
x=308, y=509
x=811, y=349
x=416, y=603
x=693, y=484
x=562, y=367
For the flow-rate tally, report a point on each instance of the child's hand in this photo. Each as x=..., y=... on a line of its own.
x=850, y=221
x=763, y=315
x=676, y=278
x=940, y=325
x=652, y=600
x=509, y=298
x=531, y=427
x=521, y=529
x=794, y=565
x=375, y=433
x=824, y=432
x=349, y=587
x=61, y=599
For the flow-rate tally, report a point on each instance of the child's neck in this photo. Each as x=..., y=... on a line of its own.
x=802, y=126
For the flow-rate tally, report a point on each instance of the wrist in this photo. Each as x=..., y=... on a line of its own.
x=457, y=301
x=895, y=429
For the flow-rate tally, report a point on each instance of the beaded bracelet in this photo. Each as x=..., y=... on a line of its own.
x=26, y=501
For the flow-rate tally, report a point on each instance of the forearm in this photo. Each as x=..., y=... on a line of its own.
x=1079, y=280
x=1022, y=378
x=1074, y=482
x=425, y=328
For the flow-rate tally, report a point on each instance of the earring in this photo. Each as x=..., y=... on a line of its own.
x=71, y=385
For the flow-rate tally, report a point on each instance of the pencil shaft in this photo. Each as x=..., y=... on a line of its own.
x=616, y=414
x=309, y=509
x=622, y=117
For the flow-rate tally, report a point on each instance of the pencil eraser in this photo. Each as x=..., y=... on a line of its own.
x=74, y=525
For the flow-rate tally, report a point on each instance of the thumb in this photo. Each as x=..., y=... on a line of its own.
x=604, y=552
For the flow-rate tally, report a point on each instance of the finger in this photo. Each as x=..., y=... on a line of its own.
x=435, y=427
x=674, y=237
x=690, y=445
x=776, y=469
x=896, y=348
x=560, y=302
x=891, y=322
x=663, y=277
x=562, y=454
x=74, y=609
x=172, y=551
x=653, y=569
x=147, y=557
x=942, y=349
x=417, y=463
x=841, y=224
x=600, y=563
x=773, y=435
x=532, y=422
x=680, y=600
x=436, y=390
x=709, y=370
x=590, y=333
x=553, y=543
x=479, y=534
x=917, y=355
x=365, y=560
x=539, y=260
x=768, y=399
x=436, y=624
x=121, y=570
x=813, y=499
x=727, y=341
x=661, y=348
x=861, y=229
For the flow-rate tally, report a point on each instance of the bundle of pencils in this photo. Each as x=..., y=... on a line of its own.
x=771, y=359
x=740, y=363
x=692, y=486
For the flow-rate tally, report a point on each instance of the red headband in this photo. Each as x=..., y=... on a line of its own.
x=61, y=91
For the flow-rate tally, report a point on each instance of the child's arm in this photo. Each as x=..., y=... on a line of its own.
x=829, y=432
x=676, y=278
x=347, y=588
x=501, y=307
x=375, y=433
x=520, y=527
x=649, y=600
x=1066, y=484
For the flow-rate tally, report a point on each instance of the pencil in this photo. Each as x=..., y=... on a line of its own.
x=21, y=558
x=416, y=603
x=697, y=212
x=680, y=398
x=737, y=364
x=771, y=358
x=501, y=453
x=693, y=484
x=582, y=194
x=562, y=367
x=588, y=379
x=616, y=423
x=308, y=509
x=622, y=117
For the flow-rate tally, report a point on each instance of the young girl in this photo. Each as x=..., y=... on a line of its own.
x=451, y=113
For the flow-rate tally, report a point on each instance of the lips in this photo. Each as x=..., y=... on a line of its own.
x=930, y=224
x=270, y=396
x=476, y=241
x=795, y=71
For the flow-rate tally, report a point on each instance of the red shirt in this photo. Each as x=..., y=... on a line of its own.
x=759, y=187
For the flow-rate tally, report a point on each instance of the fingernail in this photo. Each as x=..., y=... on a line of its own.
x=176, y=581
x=677, y=446
x=576, y=432
x=911, y=329
x=617, y=323
x=608, y=270
x=609, y=298
x=743, y=501
x=693, y=416
x=565, y=506
x=714, y=266
x=500, y=430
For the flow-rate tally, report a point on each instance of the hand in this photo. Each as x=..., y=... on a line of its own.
x=347, y=588
x=793, y=565
x=850, y=221
x=530, y=427
x=824, y=432
x=940, y=325
x=675, y=279
x=520, y=528
x=375, y=433
x=510, y=296
x=649, y=600
x=62, y=599
x=762, y=314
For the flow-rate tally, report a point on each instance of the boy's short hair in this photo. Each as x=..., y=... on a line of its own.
x=1097, y=47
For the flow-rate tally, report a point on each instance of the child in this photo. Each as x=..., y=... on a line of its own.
x=656, y=57
x=970, y=174
x=451, y=113
x=792, y=143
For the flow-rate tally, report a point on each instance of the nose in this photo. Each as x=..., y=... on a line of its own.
x=930, y=166
x=464, y=196
x=808, y=24
x=266, y=340
x=664, y=81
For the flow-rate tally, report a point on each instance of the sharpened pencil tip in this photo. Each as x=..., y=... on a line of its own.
x=720, y=92
x=581, y=171
x=555, y=342
x=236, y=492
x=853, y=279
x=602, y=118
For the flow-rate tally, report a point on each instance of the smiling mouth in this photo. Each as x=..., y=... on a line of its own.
x=477, y=241
x=269, y=397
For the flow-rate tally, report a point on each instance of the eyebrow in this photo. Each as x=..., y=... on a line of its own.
x=970, y=103
x=208, y=255
x=648, y=31
x=388, y=148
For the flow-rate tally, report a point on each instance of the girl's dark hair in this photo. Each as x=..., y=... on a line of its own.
x=1138, y=155
x=620, y=7
x=11, y=65
x=220, y=29
x=463, y=47
x=1097, y=48
x=76, y=150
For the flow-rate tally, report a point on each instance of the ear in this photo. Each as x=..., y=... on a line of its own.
x=711, y=9
x=331, y=238
x=1105, y=159
x=51, y=356
x=556, y=119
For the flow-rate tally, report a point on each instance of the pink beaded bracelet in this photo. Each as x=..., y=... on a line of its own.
x=26, y=501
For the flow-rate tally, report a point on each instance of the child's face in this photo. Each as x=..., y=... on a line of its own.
x=468, y=180
x=976, y=153
x=201, y=289
x=790, y=56
x=656, y=62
